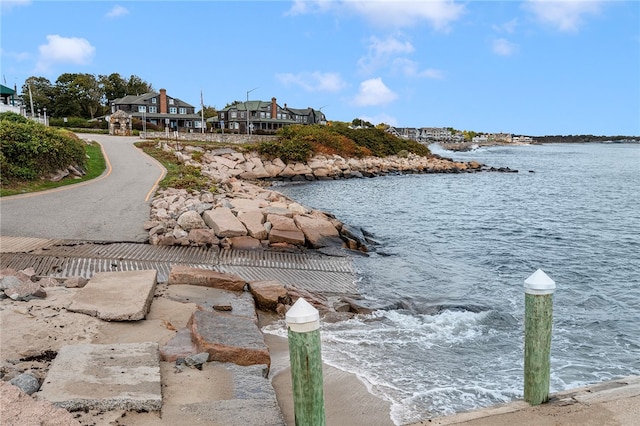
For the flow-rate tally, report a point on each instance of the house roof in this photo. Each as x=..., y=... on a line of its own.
x=144, y=99
x=4, y=90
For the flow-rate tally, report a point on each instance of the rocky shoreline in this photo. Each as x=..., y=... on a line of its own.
x=245, y=214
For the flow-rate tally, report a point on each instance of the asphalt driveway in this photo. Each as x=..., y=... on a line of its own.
x=112, y=207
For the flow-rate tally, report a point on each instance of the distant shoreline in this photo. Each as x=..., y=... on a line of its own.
x=470, y=146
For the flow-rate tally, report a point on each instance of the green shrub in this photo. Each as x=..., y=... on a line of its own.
x=299, y=143
x=29, y=150
x=12, y=116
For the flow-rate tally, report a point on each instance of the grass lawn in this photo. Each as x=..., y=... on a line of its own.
x=96, y=165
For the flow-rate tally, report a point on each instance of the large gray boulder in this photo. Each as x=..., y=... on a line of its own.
x=191, y=220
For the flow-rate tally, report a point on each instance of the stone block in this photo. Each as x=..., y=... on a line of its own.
x=283, y=223
x=229, y=338
x=224, y=222
x=253, y=220
x=290, y=237
x=318, y=231
x=181, y=274
x=245, y=243
x=268, y=294
x=180, y=346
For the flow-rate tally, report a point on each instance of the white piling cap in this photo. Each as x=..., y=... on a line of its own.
x=303, y=317
x=539, y=283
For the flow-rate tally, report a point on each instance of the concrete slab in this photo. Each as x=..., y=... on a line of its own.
x=254, y=400
x=209, y=298
x=123, y=376
x=117, y=296
x=229, y=338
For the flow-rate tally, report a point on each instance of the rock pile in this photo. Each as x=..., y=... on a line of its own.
x=24, y=285
x=243, y=216
x=222, y=164
x=247, y=216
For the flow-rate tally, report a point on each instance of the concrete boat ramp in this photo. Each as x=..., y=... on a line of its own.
x=215, y=348
x=63, y=258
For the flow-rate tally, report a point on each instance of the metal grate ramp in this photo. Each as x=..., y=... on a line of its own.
x=64, y=258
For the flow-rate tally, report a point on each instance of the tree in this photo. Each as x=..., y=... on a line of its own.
x=137, y=86
x=90, y=94
x=209, y=111
x=113, y=87
x=42, y=92
x=65, y=100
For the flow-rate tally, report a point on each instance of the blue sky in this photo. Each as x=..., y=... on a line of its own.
x=522, y=67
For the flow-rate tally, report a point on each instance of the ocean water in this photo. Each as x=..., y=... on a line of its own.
x=455, y=250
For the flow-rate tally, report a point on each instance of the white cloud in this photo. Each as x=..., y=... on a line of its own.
x=507, y=27
x=301, y=7
x=380, y=52
x=374, y=92
x=7, y=5
x=504, y=47
x=439, y=13
x=565, y=15
x=380, y=118
x=407, y=13
x=59, y=49
x=314, y=81
x=410, y=68
x=18, y=56
x=117, y=11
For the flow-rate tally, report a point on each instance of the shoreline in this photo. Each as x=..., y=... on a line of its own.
x=347, y=399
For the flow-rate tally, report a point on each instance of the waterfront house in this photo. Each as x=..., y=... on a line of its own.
x=159, y=109
x=263, y=117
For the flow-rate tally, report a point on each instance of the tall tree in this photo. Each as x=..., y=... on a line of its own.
x=113, y=87
x=42, y=92
x=66, y=97
x=89, y=94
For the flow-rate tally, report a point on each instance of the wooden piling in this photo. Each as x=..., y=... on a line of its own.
x=537, y=341
x=303, y=323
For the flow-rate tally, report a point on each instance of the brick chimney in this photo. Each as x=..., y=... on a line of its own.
x=163, y=101
x=274, y=108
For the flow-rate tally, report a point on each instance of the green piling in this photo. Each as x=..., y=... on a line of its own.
x=538, y=319
x=303, y=324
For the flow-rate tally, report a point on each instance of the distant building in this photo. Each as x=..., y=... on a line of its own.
x=8, y=100
x=522, y=139
x=263, y=117
x=159, y=109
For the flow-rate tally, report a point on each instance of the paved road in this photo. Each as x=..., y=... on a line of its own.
x=112, y=207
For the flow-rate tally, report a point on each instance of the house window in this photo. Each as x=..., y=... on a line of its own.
x=222, y=115
x=268, y=115
x=234, y=114
x=153, y=109
x=142, y=108
x=170, y=101
x=153, y=100
x=242, y=114
x=183, y=110
x=263, y=115
x=173, y=110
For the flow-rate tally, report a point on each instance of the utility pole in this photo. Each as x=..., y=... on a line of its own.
x=247, y=107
